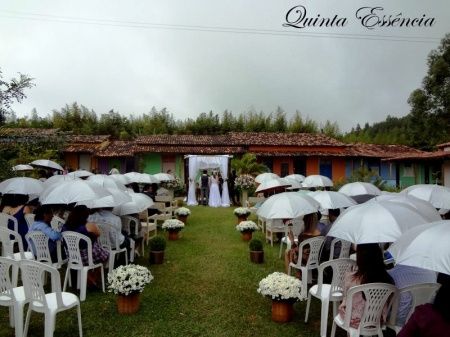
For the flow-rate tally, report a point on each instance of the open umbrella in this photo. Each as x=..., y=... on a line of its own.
x=21, y=185
x=295, y=184
x=164, y=176
x=47, y=164
x=298, y=177
x=71, y=192
x=80, y=174
x=139, y=203
x=359, y=188
x=287, y=205
x=141, y=178
x=272, y=184
x=425, y=246
x=23, y=167
x=106, y=181
x=317, y=180
x=121, y=178
x=58, y=178
x=375, y=222
x=260, y=178
x=438, y=196
x=116, y=198
x=332, y=200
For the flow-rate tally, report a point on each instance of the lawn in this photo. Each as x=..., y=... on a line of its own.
x=206, y=287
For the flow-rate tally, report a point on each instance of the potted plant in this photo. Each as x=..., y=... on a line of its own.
x=242, y=213
x=157, y=246
x=246, y=228
x=244, y=183
x=256, y=251
x=182, y=213
x=173, y=226
x=127, y=282
x=284, y=290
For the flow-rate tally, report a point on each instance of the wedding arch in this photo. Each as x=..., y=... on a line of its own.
x=197, y=163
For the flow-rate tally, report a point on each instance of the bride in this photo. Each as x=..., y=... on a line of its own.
x=214, y=194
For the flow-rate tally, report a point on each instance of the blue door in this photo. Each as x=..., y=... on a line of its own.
x=325, y=168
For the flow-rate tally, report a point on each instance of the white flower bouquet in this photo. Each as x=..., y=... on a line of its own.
x=245, y=182
x=280, y=286
x=242, y=211
x=129, y=279
x=172, y=225
x=183, y=211
x=173, y=185
x=247, y=226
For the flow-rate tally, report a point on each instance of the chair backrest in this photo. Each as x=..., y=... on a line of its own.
x=57, y=223
x=420, y=294
x=4, y=220
x=315, y=245
x=339, y=268
x=38, y=242
x=29, y=218
x=72, y=240
x=343, y=246
x=8, y=238
x=130, y=225
x=159, y=205
x=33, y=282
x=106, y=237
x=275, y=225
x=163, y=198
x=7, y=297
x=377, y=296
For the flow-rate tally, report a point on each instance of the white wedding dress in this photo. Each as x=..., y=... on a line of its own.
x=214, y=194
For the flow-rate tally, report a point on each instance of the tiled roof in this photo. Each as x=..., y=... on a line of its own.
x=282, y=139
x=118, y=148
x=192, y=149
x=302, y=154
x=27, y=132
x=380, y=150
x=90, y=148
x=87, y=138
x=183, y=140
x=440, y=146
x=420, y=156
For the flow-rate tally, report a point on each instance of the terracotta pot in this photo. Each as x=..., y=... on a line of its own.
x=127, y=305
x=246, y=236
x=156, y=257
x=241, y=218
x=257, y=256
x=173, y=235
x=182, y=218
x=282, y=311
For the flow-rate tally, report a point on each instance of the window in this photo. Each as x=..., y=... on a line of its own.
x=408, y=170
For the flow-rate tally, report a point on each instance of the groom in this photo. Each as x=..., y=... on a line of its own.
x=204, y=188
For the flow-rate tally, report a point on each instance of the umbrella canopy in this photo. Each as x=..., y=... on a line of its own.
x=164, y=176
x=71, y=192
x=58, y=178
x=362, y=198
x=107, y=181
x=121, y=178
x=297, y=177
x=295, y=184
x=317, y=180
x=425, y=246
x=332, y=200
x=438, y=196
x=273, y=184
x=287, y=205
x=141, y=178
x=21, y=185
x=260, y=178
x=47, y=164
x=116, y=198
x=375, y=222
x=80, y=174
x=139, y=202
x=23, y=167
x=423, y=207
x=359, y=188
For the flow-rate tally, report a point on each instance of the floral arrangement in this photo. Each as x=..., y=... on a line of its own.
x=173, y=224
x=280, y=286
x=129, y=279
x=173, y=185
x=183, y=211
x=247, y=226
x=245, y=182
x=241, y=211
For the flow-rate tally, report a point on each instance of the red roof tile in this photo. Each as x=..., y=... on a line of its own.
x=27, y=132
x=440, y=146
x=381, y=150
x=282, y=139
x=420, y=156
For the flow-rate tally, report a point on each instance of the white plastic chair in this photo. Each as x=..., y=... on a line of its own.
x=297, y=228
x=344, y=251
x=38, y=242
x=12, y=297
x=134, y=231
x=312, y=263
x=149, y=225
x=113, y=247
x=4, y=220
x=377, y=296
x=29, y=218
x=273, y=226
x=327, y=293
x=47, y=303
x=420, y=294
x=72, y=240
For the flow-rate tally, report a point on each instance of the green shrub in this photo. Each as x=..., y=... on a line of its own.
x=157, y=244
x=255, y=245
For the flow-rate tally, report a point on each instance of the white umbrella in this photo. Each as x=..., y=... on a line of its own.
x=80, y=174
x=71, y=192
x=317, y=180
x=121, y=178
x=47, y=164
x=272, y=184
x=422, y=206
x=425, y=246
x=164, y=176
x=116, y=198
x=21, y=185
x=359, y=188
x=58, y=178
x=260, y=178
x=295, y=184
x=287, y=205
x=106, y=181
x=139, y=203
x=298, y=177
x=332, y=200
x=141, y=178
x=23, y=167
x=375, y=222
x=438, y=196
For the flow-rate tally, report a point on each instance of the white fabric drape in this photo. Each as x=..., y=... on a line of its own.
x=208, y=162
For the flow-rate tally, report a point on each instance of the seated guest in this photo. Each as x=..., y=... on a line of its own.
x=16, y=206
